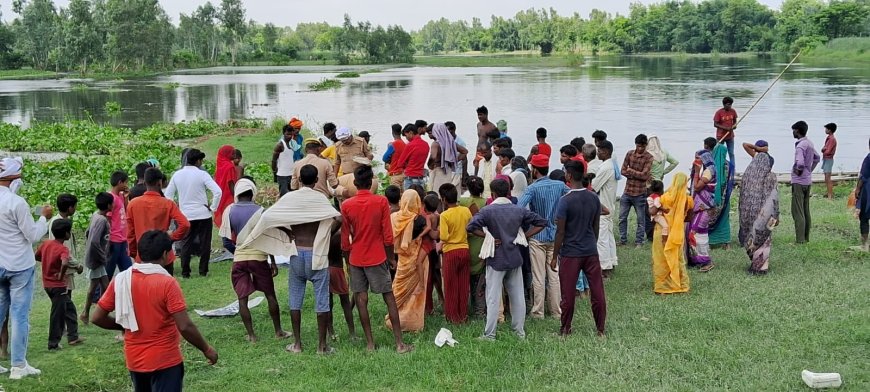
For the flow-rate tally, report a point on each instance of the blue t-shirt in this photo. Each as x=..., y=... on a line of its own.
x=581, y=210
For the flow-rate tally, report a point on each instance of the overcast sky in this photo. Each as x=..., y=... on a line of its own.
x=410, y=14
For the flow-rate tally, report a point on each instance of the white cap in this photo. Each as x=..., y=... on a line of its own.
x=343, y=133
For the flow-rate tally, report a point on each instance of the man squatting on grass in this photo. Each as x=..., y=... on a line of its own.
x=149, y=307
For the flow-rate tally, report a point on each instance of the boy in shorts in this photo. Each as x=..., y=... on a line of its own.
x=338, y=286
x=828, y=152
x=97, y=251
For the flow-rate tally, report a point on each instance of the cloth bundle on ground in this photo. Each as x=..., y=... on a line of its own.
x=229, y=310
x=295, y=208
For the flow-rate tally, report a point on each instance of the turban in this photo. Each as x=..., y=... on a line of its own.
x=243, y=186
x=540, y=160
x=10, y=170
x=296, y=123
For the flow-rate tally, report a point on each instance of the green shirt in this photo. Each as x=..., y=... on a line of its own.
x=474, y=242
x=659, y=170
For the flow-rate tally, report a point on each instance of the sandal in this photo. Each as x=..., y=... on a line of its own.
x=706, y=268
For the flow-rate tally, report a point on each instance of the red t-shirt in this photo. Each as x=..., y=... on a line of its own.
x=155, y=346
x=398, y=150
x=727, y=118
x=366, y=217
x=52, y=253
x=413, y=159
x=545, y=149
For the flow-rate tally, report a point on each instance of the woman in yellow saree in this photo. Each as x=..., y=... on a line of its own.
x=668, y=257
x=409, y=285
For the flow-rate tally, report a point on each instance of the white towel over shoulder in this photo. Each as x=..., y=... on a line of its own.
x=125, y=315
x=487, y=250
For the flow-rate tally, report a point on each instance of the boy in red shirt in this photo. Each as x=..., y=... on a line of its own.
x=725, y=121
x=149, y=307
x=55, y=260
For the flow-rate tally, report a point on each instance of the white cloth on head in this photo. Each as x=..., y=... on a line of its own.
x=654, y=147
x=242, y=186
x=10, y=168
x=125, y=314
x=343, y=133
x=487, y=249
x=295, y=208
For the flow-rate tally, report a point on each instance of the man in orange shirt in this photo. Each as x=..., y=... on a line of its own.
x=394, y=151
x=150, y=308
x=152, y=211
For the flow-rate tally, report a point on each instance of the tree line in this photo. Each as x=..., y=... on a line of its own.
x=137, y=35
x=724, y=26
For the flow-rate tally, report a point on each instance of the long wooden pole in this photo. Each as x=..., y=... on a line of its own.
x=762, y=95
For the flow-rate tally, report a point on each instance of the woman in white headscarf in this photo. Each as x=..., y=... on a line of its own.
x=663, y=162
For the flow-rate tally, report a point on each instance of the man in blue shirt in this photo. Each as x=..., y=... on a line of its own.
x=542, y=197
x=577, y=216
x=504, y=220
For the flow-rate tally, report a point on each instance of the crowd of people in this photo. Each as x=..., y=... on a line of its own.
x=487, y=235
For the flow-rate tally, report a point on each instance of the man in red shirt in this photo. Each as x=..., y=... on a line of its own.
x=725, y=121
x=394, y=152
x=150, y=308
x=152, y=211
x=412, y=161
x=542, y=147
x=366, y=218
x=570, y=153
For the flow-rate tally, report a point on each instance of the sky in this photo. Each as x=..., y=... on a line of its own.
x=412, y=15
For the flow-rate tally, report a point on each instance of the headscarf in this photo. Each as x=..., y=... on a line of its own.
x=295, y=123
x=755, y=187
x=448, y=146
x=224, y=174
x=10, y=170
x=243, y=186
x=403, y=220
x=654, y=147
x=677, y=200
x=723, y=173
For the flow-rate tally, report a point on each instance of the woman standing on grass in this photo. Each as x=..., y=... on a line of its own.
x=759, y=211
x=412, y=268
x=720, y=228
x=226, y=176
x=706, y=210
x=668, y=257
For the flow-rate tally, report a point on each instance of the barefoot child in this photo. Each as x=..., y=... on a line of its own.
x=828, y=152
x=97, y=251
x=55, y=260
x=656, y=211
x=338, y=286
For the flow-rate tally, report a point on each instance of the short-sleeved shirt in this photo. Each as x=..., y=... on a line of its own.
x=580, y=209
x=366, y=218
x=727, y=118
x=240, y=215
x=52, y=253
x=118, y=219
x=453, y=224
x=830, y=147
x=155, y=346
x=346, y=152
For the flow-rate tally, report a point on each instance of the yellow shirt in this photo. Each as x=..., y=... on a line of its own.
x=329, y=153
x=454, y=222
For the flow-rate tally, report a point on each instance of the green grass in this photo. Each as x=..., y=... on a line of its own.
x=493, y=60
x=326, y=84
x=26, y=74
x=731, y=332
x=850, y=49
x=348, y=74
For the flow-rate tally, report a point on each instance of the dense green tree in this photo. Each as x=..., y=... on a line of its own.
x=38, y=31
x=232, y=17
x=82, y=42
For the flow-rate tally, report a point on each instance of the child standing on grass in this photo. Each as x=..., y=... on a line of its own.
x=118, y=257
x=66, y=207
x=431, y=245
x=338, y=286
x=150, y=308
x=656, y=211
x=55, y=260
x=477, y=283
x=457, y=258
x=828, y=152
x=97, y=251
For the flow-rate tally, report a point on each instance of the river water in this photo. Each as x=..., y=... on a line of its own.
x=672, y=97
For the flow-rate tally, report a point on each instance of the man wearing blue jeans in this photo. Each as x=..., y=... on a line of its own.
x=636, y=169
x=18, y=233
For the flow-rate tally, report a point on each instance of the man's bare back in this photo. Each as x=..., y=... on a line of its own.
x=305, y=234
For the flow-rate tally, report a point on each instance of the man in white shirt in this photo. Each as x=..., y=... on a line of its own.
x=191, y=184
x=18, y=234
x=604, y=184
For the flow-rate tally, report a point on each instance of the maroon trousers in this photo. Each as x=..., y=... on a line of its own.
x=569, y=271
x=455, y=268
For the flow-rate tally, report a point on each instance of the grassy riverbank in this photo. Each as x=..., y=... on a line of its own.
x=26, y=74
x=852, y=49
x=733, y=332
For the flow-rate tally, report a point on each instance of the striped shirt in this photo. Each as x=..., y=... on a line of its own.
x=542, y=197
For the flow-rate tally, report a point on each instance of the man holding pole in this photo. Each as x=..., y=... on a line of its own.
x=725, y=121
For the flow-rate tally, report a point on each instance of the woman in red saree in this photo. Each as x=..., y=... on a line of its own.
x=226, y=176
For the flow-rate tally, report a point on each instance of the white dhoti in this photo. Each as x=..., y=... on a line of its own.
x=439, y=176
x=606, y=244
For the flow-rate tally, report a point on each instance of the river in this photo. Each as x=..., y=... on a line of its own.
x=672, y=97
